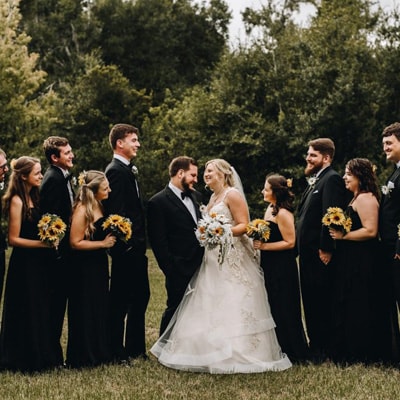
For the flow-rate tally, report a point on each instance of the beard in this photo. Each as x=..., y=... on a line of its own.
x=185, y=185
x=312, y=169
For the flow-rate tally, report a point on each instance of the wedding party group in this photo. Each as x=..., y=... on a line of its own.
x=237, y=289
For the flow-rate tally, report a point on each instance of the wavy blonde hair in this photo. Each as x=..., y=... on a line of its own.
x=225, y=168
x=91, y=181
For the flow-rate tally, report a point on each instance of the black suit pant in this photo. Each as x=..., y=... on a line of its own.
x=129, y=297
x=316, y=289
x=175, y=284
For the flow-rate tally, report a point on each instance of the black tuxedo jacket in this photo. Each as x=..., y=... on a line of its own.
x=124, y=200
x=3, y=241
x=54, y=194
x=389, y=212
x=328, y=191
x=55, y=199
x=172, y=236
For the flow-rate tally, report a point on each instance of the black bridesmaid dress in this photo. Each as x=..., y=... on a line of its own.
x=88, y=307
x=353, y=304
x=283, y=289
x=25, y=343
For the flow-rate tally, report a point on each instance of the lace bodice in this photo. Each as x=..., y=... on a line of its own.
x=223, y=209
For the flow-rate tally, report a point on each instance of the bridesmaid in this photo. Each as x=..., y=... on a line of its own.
x=25, y=343
x=353, y=310
x=278, y=261
x=88, y=341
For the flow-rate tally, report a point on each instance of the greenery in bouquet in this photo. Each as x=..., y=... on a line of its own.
x=119, y=226
x=215, y=230
x=258, y=229
x=51, y=229
x=336, y=218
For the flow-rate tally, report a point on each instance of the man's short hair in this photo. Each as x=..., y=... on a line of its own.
x=52, y=145
x=324, y=145
x=120, y=131
x=393, y=129
x=181, y=162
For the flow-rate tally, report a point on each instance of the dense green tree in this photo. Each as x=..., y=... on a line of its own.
x=25, y=112
x=62, y=33
x=92, y=103
x=160, y=44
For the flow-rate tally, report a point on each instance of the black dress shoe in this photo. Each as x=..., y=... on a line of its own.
x=139, y=357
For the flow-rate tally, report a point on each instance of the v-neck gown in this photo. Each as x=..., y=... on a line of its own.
x=223, y=324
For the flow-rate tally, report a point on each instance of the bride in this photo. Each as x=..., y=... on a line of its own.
x=224, y=324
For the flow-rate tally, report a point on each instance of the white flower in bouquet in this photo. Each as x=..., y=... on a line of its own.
x=215, y=230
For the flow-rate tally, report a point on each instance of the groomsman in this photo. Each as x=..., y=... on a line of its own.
x=57, y=197
x=3, y=242
x=172, y=219
x=130, y=289
x=315, y=245
x=389, y=219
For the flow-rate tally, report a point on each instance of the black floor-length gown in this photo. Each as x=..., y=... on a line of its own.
x=283, y=288
x=353, y=305
x=88, y=307
x=25, y=343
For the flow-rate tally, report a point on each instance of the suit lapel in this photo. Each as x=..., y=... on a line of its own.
x=175, y=200
x=311, y=188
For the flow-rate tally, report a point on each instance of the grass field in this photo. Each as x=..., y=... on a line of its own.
x=149, y=380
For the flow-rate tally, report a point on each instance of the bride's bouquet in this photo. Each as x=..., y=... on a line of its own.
x=51, y=229
x=258, y=229
x=119, y=226
x=215, y=230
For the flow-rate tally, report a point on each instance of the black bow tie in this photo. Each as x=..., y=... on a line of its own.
x=69, y=177
x=187, y=193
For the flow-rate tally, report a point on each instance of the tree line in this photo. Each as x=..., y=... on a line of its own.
x=73, y=68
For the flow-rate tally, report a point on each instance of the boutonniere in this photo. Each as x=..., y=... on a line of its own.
x=74, y=181
x=135, y=171
x=386, y=189
x=312, y=180
x=1, y=185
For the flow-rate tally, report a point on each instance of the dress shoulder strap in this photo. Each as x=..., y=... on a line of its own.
x=227, y=191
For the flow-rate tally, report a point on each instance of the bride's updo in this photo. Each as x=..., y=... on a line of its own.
x=225, y=168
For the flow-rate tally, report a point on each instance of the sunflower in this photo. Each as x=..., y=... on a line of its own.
x=258, y=229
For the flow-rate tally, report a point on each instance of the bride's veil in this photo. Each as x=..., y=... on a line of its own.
x=238, y=185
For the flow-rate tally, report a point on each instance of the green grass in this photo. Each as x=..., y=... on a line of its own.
x=149, y=380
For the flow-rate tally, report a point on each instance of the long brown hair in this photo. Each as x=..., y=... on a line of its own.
x=21, y=167
x=283, y=194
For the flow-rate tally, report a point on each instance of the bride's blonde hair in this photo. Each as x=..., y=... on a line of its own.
x=225, y=168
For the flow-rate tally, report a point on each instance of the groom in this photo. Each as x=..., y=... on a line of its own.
x=172, y=219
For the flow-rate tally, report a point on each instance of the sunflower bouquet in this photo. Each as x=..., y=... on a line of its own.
x=119, y=226
x=51, y=229
x=258, y=229
x=336, y=218
x=214, y=230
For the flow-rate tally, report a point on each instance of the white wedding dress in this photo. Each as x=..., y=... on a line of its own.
x=223, y=324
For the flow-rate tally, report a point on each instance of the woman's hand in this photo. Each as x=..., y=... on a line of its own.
x=256, y=244
x=109, y=241
x=336, y=234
